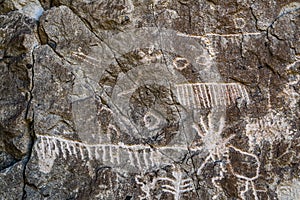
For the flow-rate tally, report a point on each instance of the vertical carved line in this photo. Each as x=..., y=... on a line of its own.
x=152, y=158
x=111, y=157
x=192, y=96
x=232, y=94
x=187, y=96
x=63, y=149
x=203, y=87
x=56, y=148
x=145, y=158
x=136, y=154
x=202, y=96
x=237, y=92
x=74, y=150
x=69, y=149
x=210, y=94
x=104, y=156
x=130, y=156
x=97, y=156
x=178, y=94
x=89, y=151
x=118, y=155
x=227, y=92
x=215, y=94
x=222, y=93
x=49, y=145
x=41, y=147
x=197, y=98
x=81, y=151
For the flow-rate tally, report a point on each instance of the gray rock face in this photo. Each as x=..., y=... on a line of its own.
x=150, y=99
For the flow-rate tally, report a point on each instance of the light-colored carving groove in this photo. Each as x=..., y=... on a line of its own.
x=209, y=95
x=220, y=35
x=177, y=185
x=140, y=157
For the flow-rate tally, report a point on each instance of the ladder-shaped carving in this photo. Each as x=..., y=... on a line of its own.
x=209, y=95
x=177, y=185
x=139, y=157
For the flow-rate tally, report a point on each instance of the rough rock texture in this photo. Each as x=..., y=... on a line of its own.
x=150, y=99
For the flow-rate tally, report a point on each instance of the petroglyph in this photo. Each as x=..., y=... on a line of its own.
x=180, y=63
x=239, y=22
x=210, y=95
x=220, y=35
x=137, y=157
x=177, y=185
x=251, y=163
x=143, y=101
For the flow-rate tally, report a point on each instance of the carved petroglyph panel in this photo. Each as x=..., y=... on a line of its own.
x=119, y=91
x=159, y=101
x=148, y=108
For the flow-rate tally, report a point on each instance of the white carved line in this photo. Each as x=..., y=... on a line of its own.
x=56, y=149
x=41, y=146
x=257, y=161
x=140, y=156
x=111, y=156
x=219, y=35
x=83, y=57
x=145, y=158
x=88, y=149
x=178, y=185
x=248, y=180
x=209, y=95
x=205, y=97
x=197, y=98
x=193, y=97
x=138, y=160
x=81, y=152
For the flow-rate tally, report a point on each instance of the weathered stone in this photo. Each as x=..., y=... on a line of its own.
x=150, y=99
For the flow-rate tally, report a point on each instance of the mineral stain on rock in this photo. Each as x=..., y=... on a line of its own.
x=149, y=99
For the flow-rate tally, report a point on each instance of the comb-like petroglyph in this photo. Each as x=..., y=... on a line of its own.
x=138, y=157
x=209, y=95
x=149, y=99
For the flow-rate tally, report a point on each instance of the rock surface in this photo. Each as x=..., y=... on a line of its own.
x=151, y=99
